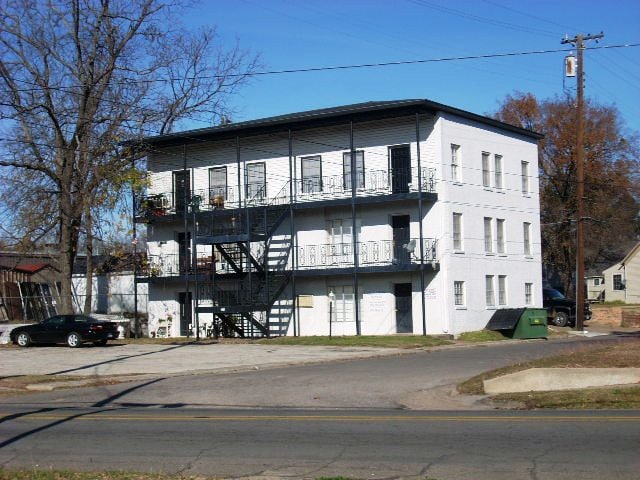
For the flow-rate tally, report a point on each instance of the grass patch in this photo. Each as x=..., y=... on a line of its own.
x=481, y=336
x=390, y=341
x=625, y=353
x=588, y=398
x=24, y=474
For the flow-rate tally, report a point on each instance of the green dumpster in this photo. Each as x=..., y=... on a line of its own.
x=520, y=322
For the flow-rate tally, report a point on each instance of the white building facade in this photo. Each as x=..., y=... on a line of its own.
x=268, y=227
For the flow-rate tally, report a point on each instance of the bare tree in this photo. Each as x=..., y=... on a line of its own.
x=78, y=78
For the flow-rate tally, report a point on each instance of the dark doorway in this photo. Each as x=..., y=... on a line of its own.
x=404, y=320
x=181, y=189
x=184, y=252
x=184, y=299
x=402, y=247
x=400, y=168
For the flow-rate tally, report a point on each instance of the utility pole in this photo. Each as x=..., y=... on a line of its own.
x=578, y=42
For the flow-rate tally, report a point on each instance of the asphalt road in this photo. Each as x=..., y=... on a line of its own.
x=384, y=417
x=311, y=444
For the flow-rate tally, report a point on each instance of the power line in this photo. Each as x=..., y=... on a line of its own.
x=355, y=66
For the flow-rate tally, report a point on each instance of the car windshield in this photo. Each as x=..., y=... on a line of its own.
x=555, y=294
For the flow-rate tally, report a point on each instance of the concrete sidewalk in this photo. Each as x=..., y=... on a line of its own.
x=128, y=359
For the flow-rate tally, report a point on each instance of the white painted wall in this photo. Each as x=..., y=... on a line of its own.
x=112, y=293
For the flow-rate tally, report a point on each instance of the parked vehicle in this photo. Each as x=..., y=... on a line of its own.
x=561, y=311
x=70, y=329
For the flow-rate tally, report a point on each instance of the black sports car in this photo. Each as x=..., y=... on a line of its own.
x=70, y=329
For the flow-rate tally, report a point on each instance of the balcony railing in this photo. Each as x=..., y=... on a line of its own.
x=173, y=265
x=373, y=253
x=368, y=183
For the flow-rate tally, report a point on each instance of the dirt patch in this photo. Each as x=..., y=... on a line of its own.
x=14, y=385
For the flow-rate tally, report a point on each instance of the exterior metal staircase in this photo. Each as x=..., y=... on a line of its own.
x=241, y=298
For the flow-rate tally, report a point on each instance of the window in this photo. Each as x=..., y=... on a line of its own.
x=500, y=235
x=524, y=168
x=343, y=306
x=596, y=282
x=486, y=172
x=217, y=184
x=498, y=171
x=617, y=282
x=256, y=181
x=490, y=295
x=341, y=240
x=526, y=235
x=488, y=235
x=528, y=293
x=458, y=293
x=455, y=163
x=311, y=174
x=457, y=231
x=502, y=290
x=346, y=168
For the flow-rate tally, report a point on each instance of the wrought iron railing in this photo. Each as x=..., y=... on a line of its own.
x=372, y=253
x=369, y=182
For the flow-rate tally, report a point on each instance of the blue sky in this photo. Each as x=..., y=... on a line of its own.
x=300, y=34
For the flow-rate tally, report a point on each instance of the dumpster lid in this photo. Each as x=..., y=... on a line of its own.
x=505, y=318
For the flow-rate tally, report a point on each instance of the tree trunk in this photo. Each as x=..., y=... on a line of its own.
x=89, y=274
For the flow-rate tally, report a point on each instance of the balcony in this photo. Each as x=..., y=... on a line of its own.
x=368, y=183
x=379, y=253
x=175, y=265
x=333, y=188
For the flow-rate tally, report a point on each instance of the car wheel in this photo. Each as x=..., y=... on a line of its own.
x=23, y=339
x=100, y=343
x=560, y=319
x=73, y=340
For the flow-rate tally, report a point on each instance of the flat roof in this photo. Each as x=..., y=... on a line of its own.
x=325, y=117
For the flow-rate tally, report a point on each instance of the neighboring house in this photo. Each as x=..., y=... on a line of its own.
x=112, y=286
x=622, y=280
x=28, y=287
x=383, y=217
x=595, y=288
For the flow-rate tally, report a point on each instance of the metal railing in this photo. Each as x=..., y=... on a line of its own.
x=368, y=183
x=372, y=253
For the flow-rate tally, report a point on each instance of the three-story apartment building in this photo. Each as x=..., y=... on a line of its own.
x=376, y=218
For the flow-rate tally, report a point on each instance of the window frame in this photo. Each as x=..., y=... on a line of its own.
x=341, y=312
x=360, y=174
x=214, y=189
x=498, y=175
x=486, y=170
x=502, y=290
x=524, y=177
x=260, y=193
x=526, y=238
x=490, y=295
x=458, y=244
x=488, y=235
x=314, y=187
x=618, y=283
x=528, y=293
x=456, y=166
x=459, y=297
x=501, y=242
